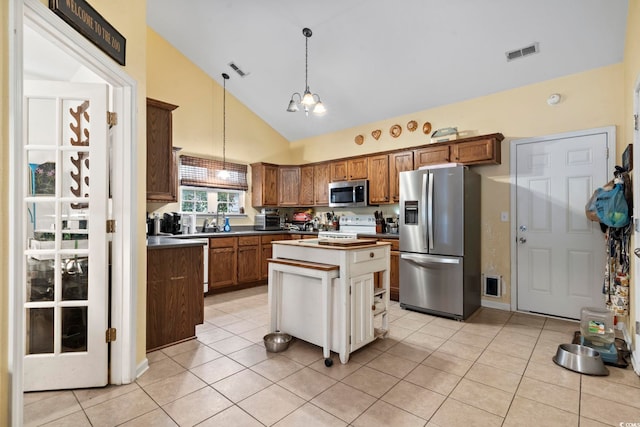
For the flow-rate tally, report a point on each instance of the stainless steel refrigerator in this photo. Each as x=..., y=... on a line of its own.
x=440, y=241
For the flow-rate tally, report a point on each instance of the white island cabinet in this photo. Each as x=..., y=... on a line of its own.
x=330, y=292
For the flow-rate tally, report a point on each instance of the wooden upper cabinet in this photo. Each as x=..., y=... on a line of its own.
x=481, y=150
x=378, y=179
x=288, y=185
x=358, y=168
x=264, y=184
x=339, y=171
x=321, y=181
x=307, y=186
x=162, y=177
x=398, y=162
x=434, y=155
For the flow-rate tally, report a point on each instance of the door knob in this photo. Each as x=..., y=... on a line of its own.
x=522, y=240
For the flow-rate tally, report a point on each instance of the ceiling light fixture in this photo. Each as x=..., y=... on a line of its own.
x=224, y=173
x=307, y=99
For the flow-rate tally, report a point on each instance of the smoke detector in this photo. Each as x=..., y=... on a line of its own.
x=522, y=52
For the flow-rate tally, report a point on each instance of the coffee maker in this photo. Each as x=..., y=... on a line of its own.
x=171, y=223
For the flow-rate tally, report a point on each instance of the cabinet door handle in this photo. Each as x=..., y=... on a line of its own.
x=371, y=254
x=373, y=307
x=177, y=278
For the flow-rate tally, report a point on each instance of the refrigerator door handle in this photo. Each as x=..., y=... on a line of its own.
x=430, y=212
x=428, y=259
x=424, y=229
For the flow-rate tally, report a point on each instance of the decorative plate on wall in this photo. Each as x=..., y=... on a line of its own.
x=412, y=125
x=395, y=131
x=359, y=139
x=426, y=128
x=376, y=134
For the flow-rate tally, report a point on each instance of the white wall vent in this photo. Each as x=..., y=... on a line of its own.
x=521, y=53
x=237, y=69
x=491, y=285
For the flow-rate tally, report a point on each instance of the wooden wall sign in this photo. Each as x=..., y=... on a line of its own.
x=88, y=22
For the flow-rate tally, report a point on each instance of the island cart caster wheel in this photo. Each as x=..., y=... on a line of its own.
x=328, y=362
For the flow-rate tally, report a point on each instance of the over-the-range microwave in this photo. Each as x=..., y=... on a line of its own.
x=348, y=194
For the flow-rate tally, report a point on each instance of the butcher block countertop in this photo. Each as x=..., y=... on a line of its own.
x=340, y=244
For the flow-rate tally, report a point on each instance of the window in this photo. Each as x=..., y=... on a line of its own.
x=203, y=189
x=211, y=200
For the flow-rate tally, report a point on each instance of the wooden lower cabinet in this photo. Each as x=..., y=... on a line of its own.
x=267, y=252
x=249, y=259
x=175, y=302
x=223, y=262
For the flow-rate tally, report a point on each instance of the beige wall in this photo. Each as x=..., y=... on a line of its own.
x=590, y=99
x=129, y=18
x=197, y=122
x=631, y=75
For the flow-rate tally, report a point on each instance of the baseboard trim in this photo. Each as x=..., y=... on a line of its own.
x=495, y=304
x=142, y=367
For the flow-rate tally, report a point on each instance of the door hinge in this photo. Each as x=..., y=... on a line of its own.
x=110, y=336
x=112, y=118
x=111, y=226
x=635, y=122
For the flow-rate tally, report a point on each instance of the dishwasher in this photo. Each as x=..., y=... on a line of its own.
x=205, y=259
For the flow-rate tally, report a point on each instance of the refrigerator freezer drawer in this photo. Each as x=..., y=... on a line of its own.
x=432, y=284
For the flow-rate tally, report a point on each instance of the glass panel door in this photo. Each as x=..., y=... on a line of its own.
x=65, y=202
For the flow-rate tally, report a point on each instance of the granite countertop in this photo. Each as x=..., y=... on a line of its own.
x=184, y=240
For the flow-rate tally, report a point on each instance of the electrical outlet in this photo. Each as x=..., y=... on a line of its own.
x=504, y=216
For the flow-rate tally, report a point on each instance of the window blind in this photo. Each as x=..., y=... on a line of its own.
x=199, y=172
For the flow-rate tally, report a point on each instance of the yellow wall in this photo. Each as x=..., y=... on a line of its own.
x=590, y=99
x=4, y=213
x=197, y=122
x=129, y=18
x=631, y=74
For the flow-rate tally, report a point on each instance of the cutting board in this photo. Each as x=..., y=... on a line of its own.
x=346, y=242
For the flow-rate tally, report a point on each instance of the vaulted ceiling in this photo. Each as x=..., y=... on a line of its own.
x=371, y=60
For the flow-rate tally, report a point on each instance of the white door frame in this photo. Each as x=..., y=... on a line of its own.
x=610, y=130
x=636, y=236
x=124, y=260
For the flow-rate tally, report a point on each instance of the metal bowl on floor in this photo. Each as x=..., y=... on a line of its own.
x=276, y=342
x=580, y=358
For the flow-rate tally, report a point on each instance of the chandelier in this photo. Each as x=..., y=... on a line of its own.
x=307, y=100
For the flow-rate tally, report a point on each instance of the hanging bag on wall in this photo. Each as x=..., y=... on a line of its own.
x=609, y=206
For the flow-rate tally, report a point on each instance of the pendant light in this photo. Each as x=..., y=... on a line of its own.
x=224, y=173
x=307, y=100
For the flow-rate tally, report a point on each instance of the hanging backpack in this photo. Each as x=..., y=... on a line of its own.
x=609, y=206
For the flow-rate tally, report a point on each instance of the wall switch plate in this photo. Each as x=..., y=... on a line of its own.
x=504, y=216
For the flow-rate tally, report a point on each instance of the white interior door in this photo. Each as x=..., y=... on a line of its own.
x=66, y=199
x=560, y=253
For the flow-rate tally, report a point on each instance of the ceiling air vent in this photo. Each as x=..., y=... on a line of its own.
x=237, y=69
x=520, y=53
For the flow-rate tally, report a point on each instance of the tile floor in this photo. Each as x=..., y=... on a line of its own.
x=493, y=370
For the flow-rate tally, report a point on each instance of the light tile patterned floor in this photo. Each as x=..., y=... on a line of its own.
x=495, y=369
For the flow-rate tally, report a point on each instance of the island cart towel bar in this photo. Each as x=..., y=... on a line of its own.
x=324, y=272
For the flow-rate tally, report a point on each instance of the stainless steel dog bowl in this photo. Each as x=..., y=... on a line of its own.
x=276, y=342
x=580, y=358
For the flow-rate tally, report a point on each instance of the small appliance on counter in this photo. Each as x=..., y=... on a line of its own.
x=171, y=223
x=267, y=221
